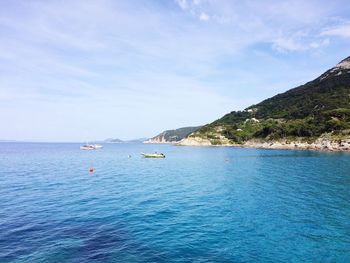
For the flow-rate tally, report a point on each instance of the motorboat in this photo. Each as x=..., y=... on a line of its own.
x=153, y=155
x=91, y=146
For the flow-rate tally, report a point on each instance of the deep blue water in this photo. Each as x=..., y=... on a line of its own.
x=196, y=205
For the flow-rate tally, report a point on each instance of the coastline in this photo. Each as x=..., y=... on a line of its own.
x=321, y=144
x=158, y=142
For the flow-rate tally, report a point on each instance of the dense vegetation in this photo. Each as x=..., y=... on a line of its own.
x=308, y=111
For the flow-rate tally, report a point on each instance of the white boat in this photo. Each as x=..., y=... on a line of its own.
x=91, y=146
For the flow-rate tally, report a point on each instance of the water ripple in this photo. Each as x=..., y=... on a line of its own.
x=197, y=205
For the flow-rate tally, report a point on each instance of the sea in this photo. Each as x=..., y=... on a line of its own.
x=199, y=204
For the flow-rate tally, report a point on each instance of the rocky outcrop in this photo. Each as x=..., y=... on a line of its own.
x=318, y=145
x=159, y=139
x=195, y=141
x=321, y=144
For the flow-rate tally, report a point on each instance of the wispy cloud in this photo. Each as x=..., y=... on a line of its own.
x=289, y=26
x=342, y=30
x=299, y=42
x=182, y=3
x=204, y=17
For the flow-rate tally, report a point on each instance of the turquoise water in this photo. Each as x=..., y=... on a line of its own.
x=196, y=205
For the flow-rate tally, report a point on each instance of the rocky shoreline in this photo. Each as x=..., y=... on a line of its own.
x=159, y=141
x=321, y=144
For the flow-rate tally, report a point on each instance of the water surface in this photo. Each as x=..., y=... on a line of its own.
x=196, y=205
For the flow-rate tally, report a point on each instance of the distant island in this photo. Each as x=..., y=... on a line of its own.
x=173, y=136
x=315, y=115
x=115, y=140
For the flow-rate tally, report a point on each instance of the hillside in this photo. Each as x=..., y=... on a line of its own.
x=316, y=111
x=172, y=136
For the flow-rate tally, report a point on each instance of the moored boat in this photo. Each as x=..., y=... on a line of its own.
x=91, y=147
x=153, y=155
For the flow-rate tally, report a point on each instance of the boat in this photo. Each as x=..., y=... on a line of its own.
x=153, y=155
x=91, y=147
x=87, y=147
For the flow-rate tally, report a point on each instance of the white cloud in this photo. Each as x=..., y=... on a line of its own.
x=297, y=45
x=287, y=44
x=319, y=44
x=182, y=3
x=204, y=17
x=299, y=41
x=290, y=26
x=340, y=31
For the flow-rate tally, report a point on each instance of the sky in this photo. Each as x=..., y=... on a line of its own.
x=90, y=70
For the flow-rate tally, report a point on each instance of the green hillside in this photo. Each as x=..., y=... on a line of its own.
x=173, y=135
x=308, y=111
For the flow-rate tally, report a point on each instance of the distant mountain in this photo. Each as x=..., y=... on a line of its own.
x=316, y=111
x=140, y=140
x=172, y=136
x=111, y=140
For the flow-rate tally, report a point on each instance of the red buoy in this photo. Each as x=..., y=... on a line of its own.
x=91, y=170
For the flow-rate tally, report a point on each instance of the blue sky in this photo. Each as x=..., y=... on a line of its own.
x=84, y=70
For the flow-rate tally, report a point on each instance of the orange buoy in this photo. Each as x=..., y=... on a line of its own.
x=91, y=170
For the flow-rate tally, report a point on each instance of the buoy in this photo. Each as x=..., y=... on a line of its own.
x=91, y=170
